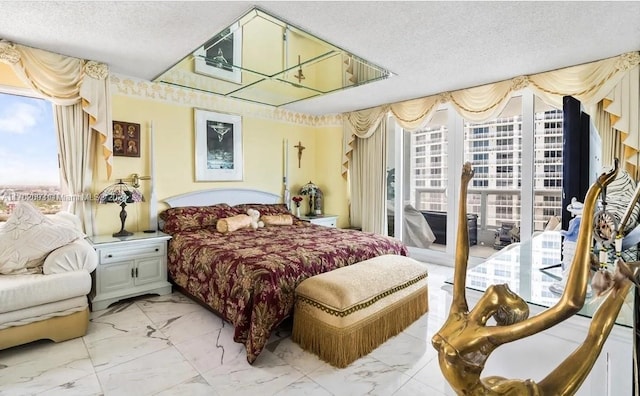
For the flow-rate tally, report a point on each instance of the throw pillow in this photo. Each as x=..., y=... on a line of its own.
x=28, y=237
x=233, y=223
x=275, y=220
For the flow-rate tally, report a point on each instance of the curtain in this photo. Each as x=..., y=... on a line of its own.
x=80, y=92
x=615, y=80
x=611, y=142
x=76, y=161
x=589, y=83
x=368, y=180
x=622, y=104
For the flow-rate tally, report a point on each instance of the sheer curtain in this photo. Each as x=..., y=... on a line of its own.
x=368, y=181
x=615, y=80
x=76, y=160
x=80, y=92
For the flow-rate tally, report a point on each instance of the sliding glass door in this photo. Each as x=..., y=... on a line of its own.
x=517, y=160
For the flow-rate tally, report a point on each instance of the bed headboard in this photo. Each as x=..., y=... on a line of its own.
x=231, y=196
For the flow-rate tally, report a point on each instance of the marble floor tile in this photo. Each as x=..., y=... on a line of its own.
x=196, y=386
x=42, y=366
x=85, y=386
x=148, y=374
x=268, y=375
x=169, y=345
x=405, y=353
x=304, y=386
x=292, y=354
x=365, y=376
x=416, y=388
x=212, y=350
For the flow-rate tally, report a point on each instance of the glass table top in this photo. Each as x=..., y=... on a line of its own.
x=519, y=265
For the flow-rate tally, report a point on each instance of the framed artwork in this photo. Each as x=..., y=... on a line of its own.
x=217, y=56
x=126, y=139
x=218, y=146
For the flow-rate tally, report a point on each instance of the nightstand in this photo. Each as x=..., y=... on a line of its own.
x=326, y=220
x=129, y=266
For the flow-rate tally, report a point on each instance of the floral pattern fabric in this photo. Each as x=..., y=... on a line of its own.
x=189, y=218
x=249, y=276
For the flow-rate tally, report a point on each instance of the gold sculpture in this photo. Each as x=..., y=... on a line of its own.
x=465, y=342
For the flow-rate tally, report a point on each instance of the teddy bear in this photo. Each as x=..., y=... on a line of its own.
x=255, y=218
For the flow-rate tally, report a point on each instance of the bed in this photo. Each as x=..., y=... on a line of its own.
x=248, y=277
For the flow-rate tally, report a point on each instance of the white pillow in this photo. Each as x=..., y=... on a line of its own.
x=28, y=237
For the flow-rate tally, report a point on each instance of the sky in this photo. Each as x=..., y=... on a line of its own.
x=28, y=144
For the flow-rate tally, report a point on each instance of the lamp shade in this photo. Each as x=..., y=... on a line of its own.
x=309, y=189
x=119, y=193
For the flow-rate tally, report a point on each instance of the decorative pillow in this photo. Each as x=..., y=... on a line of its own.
x=189, y=218
x=276, y=220
x=28, y=237
x=264, y=209
x=233, y=223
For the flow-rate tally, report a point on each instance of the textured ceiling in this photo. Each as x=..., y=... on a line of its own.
x=431, y=46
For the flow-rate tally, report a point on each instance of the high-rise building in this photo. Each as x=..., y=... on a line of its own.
x=494, y=148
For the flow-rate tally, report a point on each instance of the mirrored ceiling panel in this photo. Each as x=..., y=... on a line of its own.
x=260, y=58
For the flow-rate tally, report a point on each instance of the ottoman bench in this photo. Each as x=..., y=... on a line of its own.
x=346, y=313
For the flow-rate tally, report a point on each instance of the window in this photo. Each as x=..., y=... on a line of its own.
x=552, y=183
x=504, y=128
x=480, y=183
x=29, y=152
x=506, y=155
x=480, y=157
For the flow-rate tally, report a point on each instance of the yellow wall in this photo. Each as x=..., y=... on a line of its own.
x=264, y=129
x=174, y=144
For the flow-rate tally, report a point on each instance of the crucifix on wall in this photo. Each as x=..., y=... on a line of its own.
x=300, y=147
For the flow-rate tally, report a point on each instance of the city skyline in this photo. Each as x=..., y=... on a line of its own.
x=28, y=144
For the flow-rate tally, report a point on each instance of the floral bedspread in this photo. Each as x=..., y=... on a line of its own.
x=249, y=276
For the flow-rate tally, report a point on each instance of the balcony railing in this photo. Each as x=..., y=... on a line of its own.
x=488, y=217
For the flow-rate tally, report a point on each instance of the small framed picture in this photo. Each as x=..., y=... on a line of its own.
x=218, y=140
x=126, y=139
x=221, y=57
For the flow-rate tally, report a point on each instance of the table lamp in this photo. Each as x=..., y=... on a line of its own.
x=310, y=189
x=122, y=194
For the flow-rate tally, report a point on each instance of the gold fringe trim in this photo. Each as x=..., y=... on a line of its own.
x=362, y=305
x=341, y=346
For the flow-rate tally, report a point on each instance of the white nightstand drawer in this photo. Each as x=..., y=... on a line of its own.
x=326, y=220
x=119, y=253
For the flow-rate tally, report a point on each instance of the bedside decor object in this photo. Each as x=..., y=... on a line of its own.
x=311, y=190
x=126, y=139
x=297, y=200
x=218, y=146
x=122, y=194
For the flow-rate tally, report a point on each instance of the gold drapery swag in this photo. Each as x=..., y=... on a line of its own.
x=66, y=81
x=613, y=80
